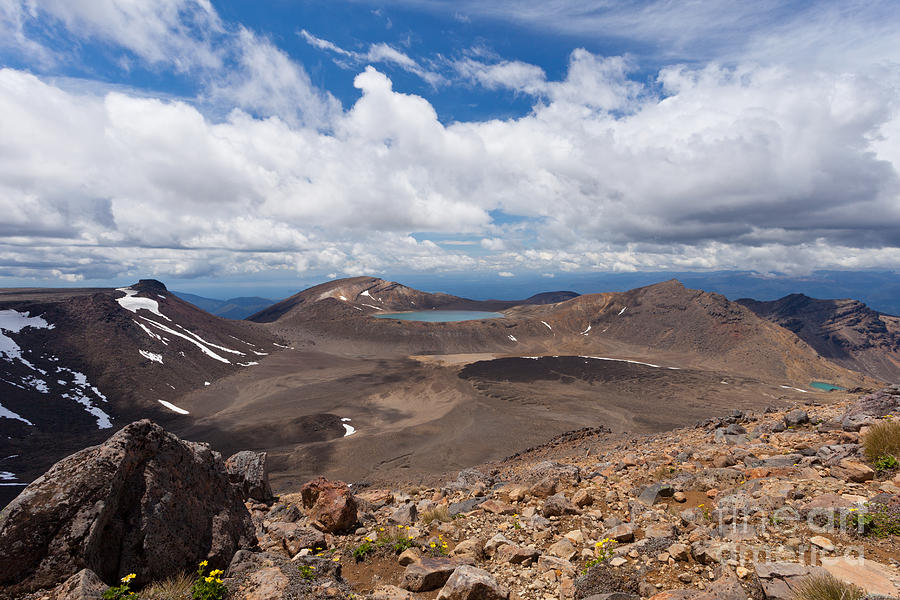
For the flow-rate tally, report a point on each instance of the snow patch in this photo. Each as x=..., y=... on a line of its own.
x=38, y=384
x=349, y=429
x=206, y=383
x=151, y=356
x=344, y=298
x=622, y=311
x=150, y=333
x=634, y=362
x=7, y=476
x=548, y=325
x=370, y=306
x=133, y=303
x=8, y=414
x=787, y=387
x=248, y=364
x=260, y=353
x=585, y=332
x=203, y=348
x=174, y=408
x=513, y=338
x=223, y=348
x=12, y=321
x=103, y=419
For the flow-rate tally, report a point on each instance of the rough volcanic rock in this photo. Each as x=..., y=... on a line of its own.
x=779, y=580
x=329, y=504
x=247, y=470
x=471, y=583
x=83, y=585
x=870, y=407
x=143, y=502
x=428, y=574
x=264, y=576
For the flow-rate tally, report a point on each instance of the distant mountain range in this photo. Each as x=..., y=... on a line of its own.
x=233, y=308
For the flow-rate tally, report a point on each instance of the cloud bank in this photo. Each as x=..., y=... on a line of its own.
x=751, y=165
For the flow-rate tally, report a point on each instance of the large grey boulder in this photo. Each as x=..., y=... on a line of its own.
x=142, y=502
x=247, y=469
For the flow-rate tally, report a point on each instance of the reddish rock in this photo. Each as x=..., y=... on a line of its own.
x=428, y=574
x=852, y=470
x=515, y=554
x=329, y=504
x=498, y=508
x=470, y=583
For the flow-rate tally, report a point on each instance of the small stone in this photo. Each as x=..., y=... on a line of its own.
x=498, y=508
x=563, y=549
x=822, y=542
x=575, y=536
x=680, y=552
x=679, y=497
x=742, y=572
x=623, y=533
x=617, y=561
x=409, y=556
x=582, y=498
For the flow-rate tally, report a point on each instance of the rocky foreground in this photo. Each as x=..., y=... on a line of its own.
x=746, y=506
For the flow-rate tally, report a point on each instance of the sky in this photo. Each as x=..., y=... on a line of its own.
x=277, y=141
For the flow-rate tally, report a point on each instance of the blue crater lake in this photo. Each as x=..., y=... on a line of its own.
x=826, y=387
x=441, y=316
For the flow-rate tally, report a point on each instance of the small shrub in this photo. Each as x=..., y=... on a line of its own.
x=308, y=572
x=122, y=591
x=208, y=587
x=885, y=463
x=603, y=551
x=438, y=547
x=827, y=587
x=878, y=519
x=396, y=538
x=363, y=550
x=882, y=439
x=439, y=513
x=173, y=588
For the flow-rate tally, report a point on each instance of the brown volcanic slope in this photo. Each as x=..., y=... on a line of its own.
x=426, y=398
x=846, y=332
x=69, y=384
x=663, y=322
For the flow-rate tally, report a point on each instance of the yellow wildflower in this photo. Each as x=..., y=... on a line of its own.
x=204, y=563
x=336, y=559
x=209, y=579
x=128, y=577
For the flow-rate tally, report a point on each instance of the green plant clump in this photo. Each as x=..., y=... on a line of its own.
x=827, y=587
x=885, y=463
x=308, y=572
x=208, y=587
x=878, y=519
x=363, y=550
x=121, y=591
x=882, y=439
x=603, y=551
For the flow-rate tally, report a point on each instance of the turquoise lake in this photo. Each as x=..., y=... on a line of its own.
x=826, y=387
x=441, y=316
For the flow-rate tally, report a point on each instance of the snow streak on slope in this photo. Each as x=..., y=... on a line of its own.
x=76, y=384
x=134, y=303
